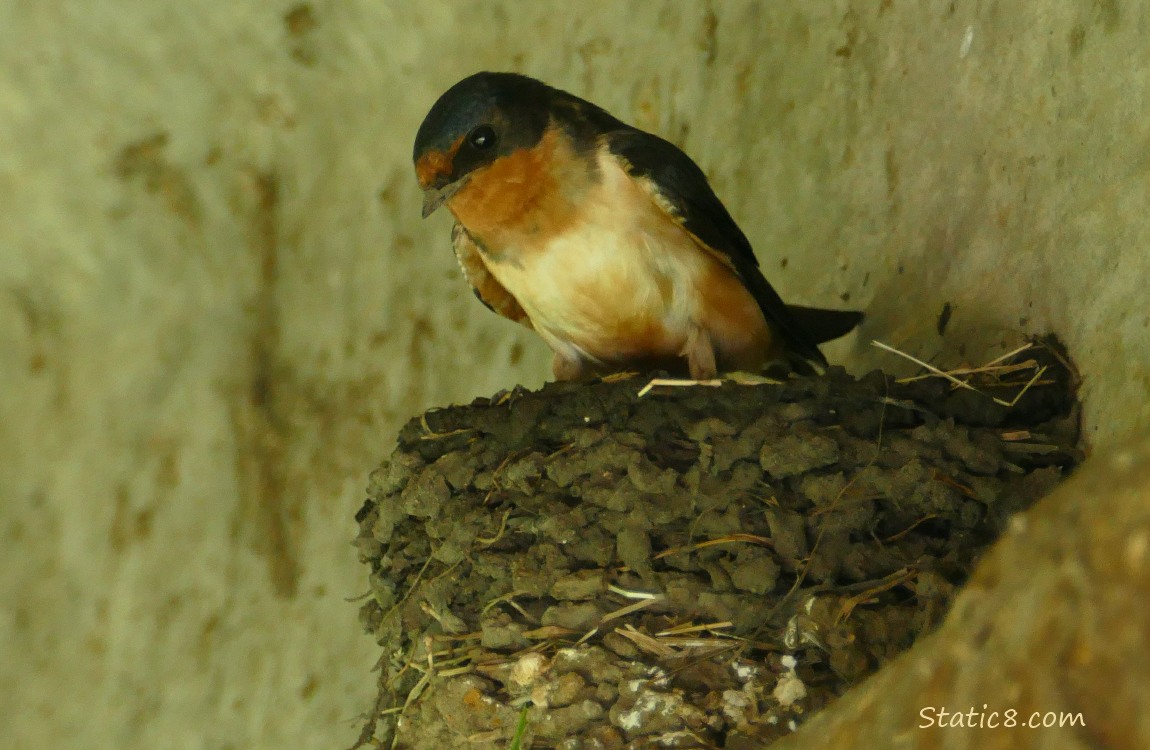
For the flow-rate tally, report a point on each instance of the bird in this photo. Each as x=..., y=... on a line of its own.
x=606, y=240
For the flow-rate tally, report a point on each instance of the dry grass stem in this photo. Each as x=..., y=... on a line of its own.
x=677, y=383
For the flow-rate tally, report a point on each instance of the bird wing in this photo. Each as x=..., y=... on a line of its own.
x=485, y=286
x=679, y=187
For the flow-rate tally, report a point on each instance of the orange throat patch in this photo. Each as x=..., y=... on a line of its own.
x=525, y=195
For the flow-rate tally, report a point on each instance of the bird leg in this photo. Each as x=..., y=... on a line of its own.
x=566, y=368
x=700, y=354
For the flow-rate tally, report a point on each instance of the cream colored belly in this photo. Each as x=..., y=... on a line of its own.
x=608, y=295
x=627, y=282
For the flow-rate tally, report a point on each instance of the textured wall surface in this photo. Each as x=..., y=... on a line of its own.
x=217, y=300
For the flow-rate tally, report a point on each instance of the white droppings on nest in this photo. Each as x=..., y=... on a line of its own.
x=790, y=688
x=647, y=705
x=746, y=671
x=736, y=705
x=528, y=668
x=742, y=706
x=659, y=676
x=634, y=687
x=572, y=656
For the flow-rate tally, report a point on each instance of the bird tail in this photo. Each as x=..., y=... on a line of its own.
x=825, y=325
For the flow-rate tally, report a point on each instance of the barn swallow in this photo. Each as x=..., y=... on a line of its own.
x=606, y=240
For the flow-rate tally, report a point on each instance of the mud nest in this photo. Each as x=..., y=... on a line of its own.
x=581, y=567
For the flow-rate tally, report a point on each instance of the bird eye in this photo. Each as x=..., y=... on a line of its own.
x=482, y=138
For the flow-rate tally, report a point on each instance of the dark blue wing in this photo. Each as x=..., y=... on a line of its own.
x=680, y=183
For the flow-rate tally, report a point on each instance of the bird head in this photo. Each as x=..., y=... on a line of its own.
x=476, y=122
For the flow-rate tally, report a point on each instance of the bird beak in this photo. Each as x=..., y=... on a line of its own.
x=434, y=197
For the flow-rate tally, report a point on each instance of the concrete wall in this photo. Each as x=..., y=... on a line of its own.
x=217, y=300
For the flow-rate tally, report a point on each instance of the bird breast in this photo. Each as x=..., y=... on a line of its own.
x=606, y=274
